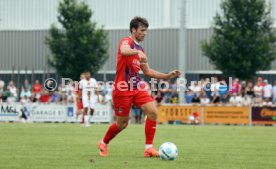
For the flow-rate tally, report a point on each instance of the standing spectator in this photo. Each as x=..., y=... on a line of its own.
x=158, y=98
x=223, y=88
x=36, y=89
x=215, y=87
x=267, y=91
x=243, y=87
x=196, y=89
x=235, y=99
x=274, y=93
x=12, y=90
x=259, y=87
x=235, y=86
x=207, y=88
x=249, y=90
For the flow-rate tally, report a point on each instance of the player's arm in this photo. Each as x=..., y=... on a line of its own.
x=158, y=75
x=153, y=73
x=127, y=51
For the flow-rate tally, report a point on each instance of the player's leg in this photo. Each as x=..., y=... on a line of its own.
x=85, y=111
x=122, y=107
x=148, y=106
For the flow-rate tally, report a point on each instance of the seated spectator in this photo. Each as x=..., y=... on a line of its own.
x=235, y=99
x=100, y=98
x=12, y=90
x=246, y=100
x=55, y=97
x=2, y=85
x=215, y=99
x=258, y=101
x=174, y=99
x=37, y=89
x=158, y=98
x=224, y=99
x=25, y=92
x=26, y=85
x=189, y=96
x=243, y=87
x=45, y=97
x=196, y=99
x=11, y=98
x=274, y=93
x=204, y=100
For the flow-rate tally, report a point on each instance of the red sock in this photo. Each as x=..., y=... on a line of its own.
x=111, y=133
x=82, y=119
x=150, y=129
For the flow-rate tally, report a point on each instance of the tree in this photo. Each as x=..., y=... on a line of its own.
x=243, y=40
x=80, y=45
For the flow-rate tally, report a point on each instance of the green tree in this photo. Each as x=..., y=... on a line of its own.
x=243, y=40
x=79, y=45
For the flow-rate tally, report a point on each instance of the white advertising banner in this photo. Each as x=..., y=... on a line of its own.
x=52, y=112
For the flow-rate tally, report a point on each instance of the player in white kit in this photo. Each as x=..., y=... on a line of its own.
x=88, y=87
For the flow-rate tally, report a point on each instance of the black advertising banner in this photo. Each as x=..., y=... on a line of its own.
x=264, y=115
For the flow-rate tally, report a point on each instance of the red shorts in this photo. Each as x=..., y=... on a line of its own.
x=123, y=103
x=80, y=105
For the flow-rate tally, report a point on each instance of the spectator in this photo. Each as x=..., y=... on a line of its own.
x=215, y=99
x=25, y=92
x=36, y=89
x=207, y=88
x=12, y=90
x=215, y=87
x=204, y=100
x=196, y=89
x=274, y=93
x=26, y=85
x=267, y=91
x=258, y=88
x=249, y=90
x=196, y=99
x=235, y=99
x=189, y=96
x=257, y=101
x=11, y=98
x=246, y=100
x=223, y=88
x=235, y=86
x=158, y=98
x=137, y=113
x=243, y=87
x=55, y=97
x=224, y=99
x=45, y=97
x=2, y=94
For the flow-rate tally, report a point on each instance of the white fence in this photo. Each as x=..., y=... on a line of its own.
x=52, y=112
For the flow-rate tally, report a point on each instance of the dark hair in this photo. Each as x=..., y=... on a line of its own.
x=137, y=21
x=86, y=71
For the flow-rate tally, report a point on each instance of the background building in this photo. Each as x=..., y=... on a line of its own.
x=24, y=25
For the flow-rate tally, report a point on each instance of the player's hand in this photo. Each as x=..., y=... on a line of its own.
x=173, y=74
x=143, y=57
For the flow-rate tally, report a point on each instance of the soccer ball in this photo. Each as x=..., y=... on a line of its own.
x=168, y=151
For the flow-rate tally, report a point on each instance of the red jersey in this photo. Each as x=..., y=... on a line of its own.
x=127, y=69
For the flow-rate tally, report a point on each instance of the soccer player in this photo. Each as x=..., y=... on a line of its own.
x=130, y=59
x=87, y=89
x=79, y=100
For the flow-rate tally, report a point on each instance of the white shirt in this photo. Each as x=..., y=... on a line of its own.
x=235, y=100
x=88, y=87
x=268, y=90
x=258, y=89
x=204, y=101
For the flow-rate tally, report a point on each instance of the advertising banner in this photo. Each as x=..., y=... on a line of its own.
x=264, y=115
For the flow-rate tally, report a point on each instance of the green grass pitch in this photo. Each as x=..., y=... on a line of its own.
x=71, y=146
